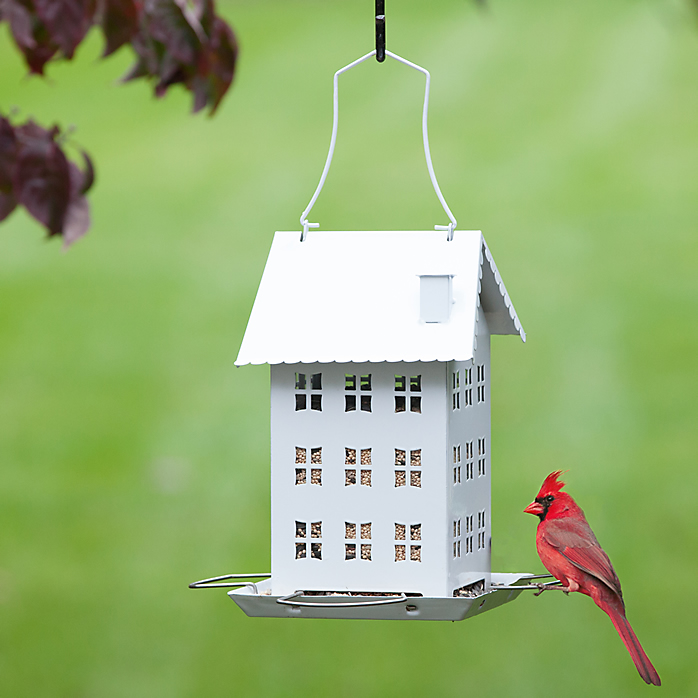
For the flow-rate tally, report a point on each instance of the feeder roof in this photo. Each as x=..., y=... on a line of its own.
x=353, y=297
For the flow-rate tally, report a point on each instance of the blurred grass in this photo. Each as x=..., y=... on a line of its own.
x=134, y=457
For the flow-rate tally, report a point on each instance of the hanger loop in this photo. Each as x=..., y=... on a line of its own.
x=425, y=137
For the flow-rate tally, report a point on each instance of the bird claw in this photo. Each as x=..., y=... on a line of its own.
x=545, y=587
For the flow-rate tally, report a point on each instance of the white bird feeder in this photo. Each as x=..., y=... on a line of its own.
x=379, y=349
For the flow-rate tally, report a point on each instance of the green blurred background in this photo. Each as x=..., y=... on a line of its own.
x=134, y=456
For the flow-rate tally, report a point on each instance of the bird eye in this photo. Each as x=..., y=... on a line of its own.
x=550, y=499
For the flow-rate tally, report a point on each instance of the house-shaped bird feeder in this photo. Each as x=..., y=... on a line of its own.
x=379, y=349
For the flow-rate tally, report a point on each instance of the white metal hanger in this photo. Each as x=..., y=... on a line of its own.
x=380, y=52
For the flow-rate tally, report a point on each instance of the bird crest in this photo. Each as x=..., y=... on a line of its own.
x=551, y=484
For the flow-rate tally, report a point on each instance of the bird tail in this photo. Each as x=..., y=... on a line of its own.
x=641, y=660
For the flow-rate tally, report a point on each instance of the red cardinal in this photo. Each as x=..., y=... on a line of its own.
x=570, y=552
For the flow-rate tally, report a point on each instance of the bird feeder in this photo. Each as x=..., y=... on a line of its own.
x=379, y=349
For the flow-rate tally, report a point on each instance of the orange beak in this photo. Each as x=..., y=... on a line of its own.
x=534, y=508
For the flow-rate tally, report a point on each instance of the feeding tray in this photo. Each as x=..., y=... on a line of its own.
x=256, y=600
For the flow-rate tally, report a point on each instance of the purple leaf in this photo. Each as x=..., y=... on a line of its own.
x=119, y=20
x=7, y=205
x=42, y=176
x=168, y=25
x=8, y=155
x=66, y=21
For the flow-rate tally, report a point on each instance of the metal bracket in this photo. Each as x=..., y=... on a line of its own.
x=287, y=601
x=211, y=582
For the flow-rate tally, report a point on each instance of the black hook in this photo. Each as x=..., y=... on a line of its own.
x=380, y=30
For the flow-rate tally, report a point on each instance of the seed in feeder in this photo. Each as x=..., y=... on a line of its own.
x=399, y=403
x=316, y=551
x=300, y=455
x=399, y=457
x=316, y=529
x=365, y=552
x=300, y=476
x=300, y=529
x=365, y=456
x=350, y=551
x=416, y=458
x=416, y=531
x=416, y=478
x=399, y=531
x=316, y=476
x=416, y=553
x=300, y=550
x=349, y=530
x=366, y=478
x=415, y=404
x=349, y=477
x=400, y=480
x=399, y=553
x=316, y=455
x=350, y=456
x=365, y=530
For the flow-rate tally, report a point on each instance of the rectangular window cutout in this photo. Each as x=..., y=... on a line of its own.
x=481, y=467
x=349, y=530
x=454, y=550
x=349, y=477
x=481, y=447
x=468, y=397
x=400, y=480
x=416, y=458
x=316, y=551
x=350, y=551
x=416, y=553
x=301, y=551
x=399, y=457
x=400, y=383
x=365, y=456
x=300, y=381
x=480, y=393
x=350, y=456
x=350, y=403
x=301, y=476
x=416, y=532
x=454, y=529
x=400, y=553
x=366, y=530
x=366, y=382
x=316, y=455
x=316, y=381
x=459, y=527
x=415, y=404
x=415, y=384
x=316, y=476
x=416, y=478
x=301, y=455
x=399, y=403
x=458, y=548
x=300, y=529
x=365, y=403
x=315, y=402
x=469, y=471
x=316, y=529
x=301, y=402
x=400, y=530
x=366, y=478
x=365, y=551
x=349, y=382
